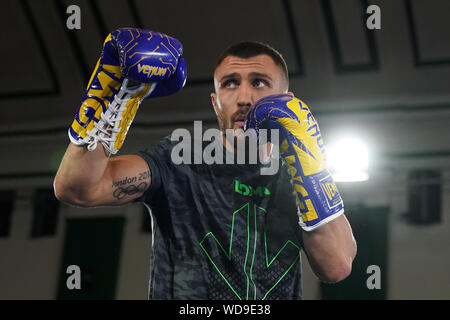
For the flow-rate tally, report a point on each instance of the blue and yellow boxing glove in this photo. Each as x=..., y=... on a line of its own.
x=301, y=146
x=135, y=64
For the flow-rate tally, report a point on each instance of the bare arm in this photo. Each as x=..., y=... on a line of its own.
x=331, y=250
x=91, y=178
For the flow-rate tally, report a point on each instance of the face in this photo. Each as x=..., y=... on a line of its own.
x=239, y=83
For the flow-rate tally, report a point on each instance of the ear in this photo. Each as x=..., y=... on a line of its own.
x=214, y=101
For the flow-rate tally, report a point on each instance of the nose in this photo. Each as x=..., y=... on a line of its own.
x=245, y=96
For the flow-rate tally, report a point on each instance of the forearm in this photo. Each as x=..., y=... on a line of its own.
x=331, y=249
x=79, y=173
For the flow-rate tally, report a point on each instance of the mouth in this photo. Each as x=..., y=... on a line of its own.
x=239, y=121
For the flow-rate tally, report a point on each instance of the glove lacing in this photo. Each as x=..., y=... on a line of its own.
x=106, y=128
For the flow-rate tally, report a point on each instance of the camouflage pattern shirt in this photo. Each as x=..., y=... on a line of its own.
x=221, y=231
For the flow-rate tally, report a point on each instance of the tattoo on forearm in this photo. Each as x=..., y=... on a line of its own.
x=126, y=188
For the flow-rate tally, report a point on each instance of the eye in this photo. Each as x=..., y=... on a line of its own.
x=259, y=83
x=230, y=84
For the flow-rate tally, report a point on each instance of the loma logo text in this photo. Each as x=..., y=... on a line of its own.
x=249, y=190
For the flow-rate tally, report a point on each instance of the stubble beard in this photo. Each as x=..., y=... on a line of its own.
x=232, y=136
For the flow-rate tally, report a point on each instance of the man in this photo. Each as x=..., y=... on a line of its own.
x=220, y=231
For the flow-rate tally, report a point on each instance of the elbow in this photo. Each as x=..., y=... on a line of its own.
x=337, y=272
x=59, y=190
x=68, y=194
x=341, y=267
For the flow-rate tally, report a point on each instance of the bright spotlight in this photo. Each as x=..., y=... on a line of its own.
x=348, y=160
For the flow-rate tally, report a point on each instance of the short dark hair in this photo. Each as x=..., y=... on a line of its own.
x=250, y=49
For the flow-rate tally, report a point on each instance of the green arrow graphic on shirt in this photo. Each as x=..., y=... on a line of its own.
x=246, y=236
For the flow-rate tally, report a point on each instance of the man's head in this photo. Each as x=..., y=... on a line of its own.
x=245, y=73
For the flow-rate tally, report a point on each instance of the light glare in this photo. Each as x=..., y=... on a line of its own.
x=348, y=160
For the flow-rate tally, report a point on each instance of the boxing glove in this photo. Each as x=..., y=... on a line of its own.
x=135, y=64
x=301, y=146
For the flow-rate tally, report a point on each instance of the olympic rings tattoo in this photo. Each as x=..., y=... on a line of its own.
x=120, y=192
